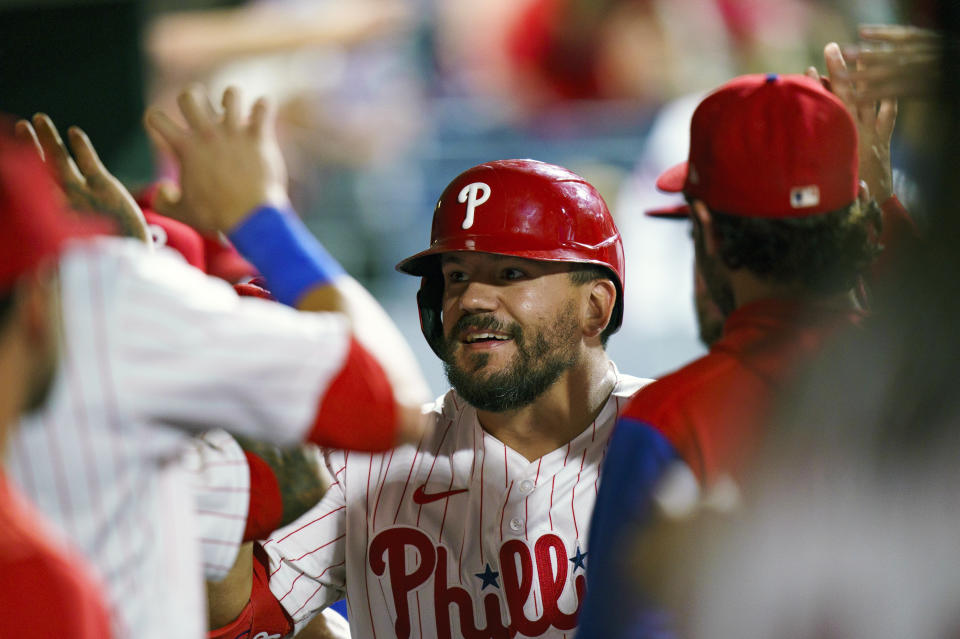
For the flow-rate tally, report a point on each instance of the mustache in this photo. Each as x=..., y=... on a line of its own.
x=486, y=323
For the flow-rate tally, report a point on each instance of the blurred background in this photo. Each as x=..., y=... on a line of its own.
x=382, y=102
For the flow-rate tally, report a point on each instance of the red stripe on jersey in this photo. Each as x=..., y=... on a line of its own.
x=504, y=509
x=320, y=547
x=483, y=444
x=358, y=411
x=292, y=532
x=506, y=471
x=436, y=453
x=403, y=494
x=292, y=584
x=573, y=497
x=553, y=483
x=376, y=506
x=446, y=504
x=219, y=542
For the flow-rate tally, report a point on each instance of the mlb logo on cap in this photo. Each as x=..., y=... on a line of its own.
x=769, y=146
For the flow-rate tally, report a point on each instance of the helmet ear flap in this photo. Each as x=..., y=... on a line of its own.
x=429, y=299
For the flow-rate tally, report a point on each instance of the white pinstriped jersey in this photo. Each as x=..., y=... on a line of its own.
x=153, y=351
x=457, y=537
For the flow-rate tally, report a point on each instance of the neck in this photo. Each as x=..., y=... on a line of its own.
x=748, y=288
x=564, y=411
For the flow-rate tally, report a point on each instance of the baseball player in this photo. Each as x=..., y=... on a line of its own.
x=155, y=351
x=781, y=241
x=44, y=592
x=480, y=529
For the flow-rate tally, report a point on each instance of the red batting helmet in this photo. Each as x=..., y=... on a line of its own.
x=521, y=208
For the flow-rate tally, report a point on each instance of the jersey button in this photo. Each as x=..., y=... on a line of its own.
x=516, y=524
x=526, y=487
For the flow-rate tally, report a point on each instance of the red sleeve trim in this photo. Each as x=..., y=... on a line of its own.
x=266, y=503
x=263, y=613
x=239, y=628
x=358, y=411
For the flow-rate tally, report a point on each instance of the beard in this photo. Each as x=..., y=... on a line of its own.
x=718, y=286
x=541, y=358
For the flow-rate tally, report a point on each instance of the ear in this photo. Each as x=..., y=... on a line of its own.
x=703, y=222
x=601, y=297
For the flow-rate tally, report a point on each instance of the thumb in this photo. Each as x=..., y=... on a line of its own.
x=166, y=201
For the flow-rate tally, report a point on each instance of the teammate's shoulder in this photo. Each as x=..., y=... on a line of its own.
x=675, y=389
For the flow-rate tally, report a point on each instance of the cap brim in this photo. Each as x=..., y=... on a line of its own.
x=679, y=212
x=673, y=179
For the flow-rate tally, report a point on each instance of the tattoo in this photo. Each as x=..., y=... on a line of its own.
x=302, y=480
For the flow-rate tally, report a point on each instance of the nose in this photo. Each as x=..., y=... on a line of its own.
x=478, y=297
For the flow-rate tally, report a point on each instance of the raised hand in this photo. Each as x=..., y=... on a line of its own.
x=229, y=163
x=874, y=119
x=87, y=183
x=895, y=61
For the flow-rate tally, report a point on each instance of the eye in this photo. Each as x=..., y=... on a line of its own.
x=455, y=276
x=513, y=274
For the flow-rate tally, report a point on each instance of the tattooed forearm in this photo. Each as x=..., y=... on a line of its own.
x=302, y=480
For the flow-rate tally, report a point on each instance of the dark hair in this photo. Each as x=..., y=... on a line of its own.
x=586, y=273
x=825, y=253
x=7, y=299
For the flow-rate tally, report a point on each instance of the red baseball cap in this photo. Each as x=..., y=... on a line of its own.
x=167, y=231
x=768, y=146
x=34, y=220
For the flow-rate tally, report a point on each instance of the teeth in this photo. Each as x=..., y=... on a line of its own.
x=482, y=336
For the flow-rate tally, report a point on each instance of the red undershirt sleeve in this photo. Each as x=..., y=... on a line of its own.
x=266, y=503
x=263, y=613
x=358, y=411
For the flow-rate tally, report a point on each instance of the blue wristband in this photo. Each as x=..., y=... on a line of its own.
x=285, y=252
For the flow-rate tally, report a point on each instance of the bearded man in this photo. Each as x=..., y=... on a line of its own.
x=481, y=528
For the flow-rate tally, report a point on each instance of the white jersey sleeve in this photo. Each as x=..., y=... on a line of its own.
x=220, y=480
x=308, y=556
x=183, y=349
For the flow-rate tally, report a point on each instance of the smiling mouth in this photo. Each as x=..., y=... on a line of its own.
x=484, y=337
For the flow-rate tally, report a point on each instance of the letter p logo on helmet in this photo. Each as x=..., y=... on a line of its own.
x=474, y=194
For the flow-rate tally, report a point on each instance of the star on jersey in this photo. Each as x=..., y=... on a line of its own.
x=489, y=577
x=578, y=560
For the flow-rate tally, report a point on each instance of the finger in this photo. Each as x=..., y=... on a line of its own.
x=262, y=117
x=837, y=72
x=812, y=73
x=896, y=33
x=886, y=118
x=899, y=56
x=166, y=201
x=231, y=108
x=87, y=159
x=163, y=128
x=55, y=151
x=866, y=111
x=925, y=68
x=196, y=109
x=25, y=133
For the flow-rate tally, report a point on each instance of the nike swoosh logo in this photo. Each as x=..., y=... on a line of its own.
x=422, y=497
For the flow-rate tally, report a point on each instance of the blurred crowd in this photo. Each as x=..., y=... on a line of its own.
x=818, y=503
